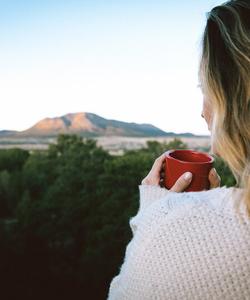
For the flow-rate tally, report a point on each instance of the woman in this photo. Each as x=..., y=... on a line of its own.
x=196, y=245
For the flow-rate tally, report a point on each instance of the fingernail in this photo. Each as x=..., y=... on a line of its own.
x=214, y=173
x=187, y=175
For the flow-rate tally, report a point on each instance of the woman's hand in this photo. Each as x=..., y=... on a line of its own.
x=156, y=177
x=214, y=179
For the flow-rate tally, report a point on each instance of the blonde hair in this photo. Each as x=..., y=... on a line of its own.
x=225, y=77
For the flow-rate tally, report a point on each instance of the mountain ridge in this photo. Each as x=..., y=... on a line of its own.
x=89, y=124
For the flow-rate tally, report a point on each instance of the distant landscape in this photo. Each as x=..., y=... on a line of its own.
x=114, y=136
x=68, y=188
x=64, y=214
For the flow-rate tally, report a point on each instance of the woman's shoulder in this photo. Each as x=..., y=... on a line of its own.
x=221, y=200
x=159, y=206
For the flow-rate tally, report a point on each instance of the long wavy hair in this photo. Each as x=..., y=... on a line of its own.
x=225, y=78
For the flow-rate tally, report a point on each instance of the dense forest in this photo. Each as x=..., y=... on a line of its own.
x=64, y=216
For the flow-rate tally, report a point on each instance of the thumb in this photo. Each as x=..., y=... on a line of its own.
x=182, y=183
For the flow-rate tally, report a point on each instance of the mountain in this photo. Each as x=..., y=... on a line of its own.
x=90, y=125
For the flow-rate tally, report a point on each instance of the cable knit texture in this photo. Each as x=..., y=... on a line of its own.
x=186, y=246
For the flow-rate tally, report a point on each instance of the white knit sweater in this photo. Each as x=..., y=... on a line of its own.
x=186, y=246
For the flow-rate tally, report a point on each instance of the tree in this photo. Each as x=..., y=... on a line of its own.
x=69, y=227
x=13, y=159
x=5, y=188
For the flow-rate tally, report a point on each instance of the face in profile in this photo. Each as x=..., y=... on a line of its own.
x=207, y=112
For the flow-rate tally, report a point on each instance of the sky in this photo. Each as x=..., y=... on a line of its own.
x=131, y=60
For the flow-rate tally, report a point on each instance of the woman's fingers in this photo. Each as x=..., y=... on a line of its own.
x=214, y=179
x=158, y=164
x=182, y=183
x=155, y=176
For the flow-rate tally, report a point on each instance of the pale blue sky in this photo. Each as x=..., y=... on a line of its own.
x=134, y=61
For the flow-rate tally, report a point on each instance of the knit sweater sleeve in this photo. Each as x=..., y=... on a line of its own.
x=148, y=195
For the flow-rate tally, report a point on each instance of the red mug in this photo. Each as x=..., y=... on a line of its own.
x=198, y=163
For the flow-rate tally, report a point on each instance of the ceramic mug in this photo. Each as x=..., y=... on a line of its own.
x=198, y=163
